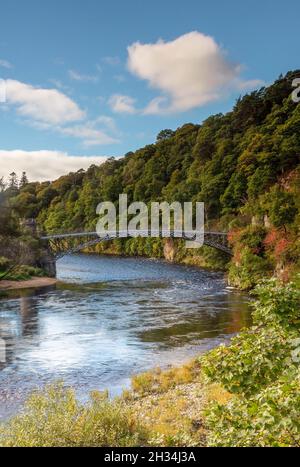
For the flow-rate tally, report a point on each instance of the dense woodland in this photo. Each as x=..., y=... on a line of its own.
x=244, y=165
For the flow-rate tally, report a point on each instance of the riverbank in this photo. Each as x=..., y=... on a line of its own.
x=33, y=283
x=171, y=404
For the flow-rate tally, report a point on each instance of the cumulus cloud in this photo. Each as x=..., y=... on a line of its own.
x=52, y=110
x=122, y=104
x=43, y=105
x=190, y=71
x=44, y=165
x=5, y=64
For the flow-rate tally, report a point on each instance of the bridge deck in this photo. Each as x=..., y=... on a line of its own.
x=141, y=233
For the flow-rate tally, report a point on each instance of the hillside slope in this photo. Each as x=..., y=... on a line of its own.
x=244, y=165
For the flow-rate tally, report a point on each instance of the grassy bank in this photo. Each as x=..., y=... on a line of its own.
x=245, y=394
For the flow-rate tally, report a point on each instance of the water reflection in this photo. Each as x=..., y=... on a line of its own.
x=20, y=326
x=114, y=317
x=29, y=316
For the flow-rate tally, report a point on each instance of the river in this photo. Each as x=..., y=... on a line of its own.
x=110, y=318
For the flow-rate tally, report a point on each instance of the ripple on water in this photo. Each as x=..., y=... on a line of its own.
x=111, y=318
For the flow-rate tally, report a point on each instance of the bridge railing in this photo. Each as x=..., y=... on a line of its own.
x=136, y=233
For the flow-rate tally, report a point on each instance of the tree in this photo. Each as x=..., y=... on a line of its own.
x=17, y=252
x=2, y=185
x=23, y=180
x=13, y=181
x=281, y=207
x=165, y=134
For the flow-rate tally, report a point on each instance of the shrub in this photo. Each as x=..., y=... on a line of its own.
x=261, y=369
x=277, y=304
x=25, y=272
x=254, y=359
x=248, y=269
x=4, y=263
x=56, y=418
x=270, y=419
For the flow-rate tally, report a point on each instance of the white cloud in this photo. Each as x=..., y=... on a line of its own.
x=191, y=71
x=51, y=110
x=122, y=104
x=75, y=76
x=89, y=134
x=108, y=122
x=44, y=165
x=101, y=131
x=42, y=105
x=5, y=64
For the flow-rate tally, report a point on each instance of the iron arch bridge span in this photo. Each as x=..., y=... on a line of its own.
x=68, y=243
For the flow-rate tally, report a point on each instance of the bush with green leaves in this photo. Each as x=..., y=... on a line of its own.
x=277, y=304
x=261, y=369
x=270, y=418
x=254, y=360
x=248, y=270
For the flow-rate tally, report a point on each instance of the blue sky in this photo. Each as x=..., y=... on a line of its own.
x=76, y=85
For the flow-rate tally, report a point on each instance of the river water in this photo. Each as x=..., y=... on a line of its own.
x=108, y=319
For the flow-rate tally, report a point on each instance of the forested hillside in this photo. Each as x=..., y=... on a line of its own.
x=244, y=165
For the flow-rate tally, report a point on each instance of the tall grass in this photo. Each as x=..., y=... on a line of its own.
x=55, y=418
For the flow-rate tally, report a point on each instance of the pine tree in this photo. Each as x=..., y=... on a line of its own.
x=2, y=185
x=13, y=181
x=23, y=180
